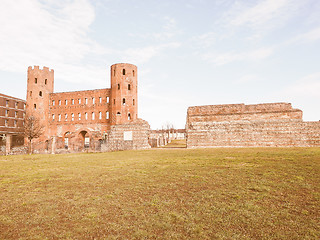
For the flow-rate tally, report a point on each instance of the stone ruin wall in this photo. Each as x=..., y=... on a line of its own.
x=128, y=136
x=239, y=125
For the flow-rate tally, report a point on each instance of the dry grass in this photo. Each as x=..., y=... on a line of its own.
x=162, y=194
x=176, y=144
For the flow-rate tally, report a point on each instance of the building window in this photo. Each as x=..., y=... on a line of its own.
x=118, y=113
x=114, y=101
x=7, y=113
x=66, y=117
x=72, y=116
x=114, y=72
x=35, y=80
x=123, y=101
x=53, y=117
x=118, y=86
x=35, y=106
x=79, y=115
x=86, y=101
x=30, y=93
x=100, y=115
x=16, y=104
x=129, y=87
x=24, y=106
x=129, y=116
x=86, y=116
x=7, y=103
x=107, y=99
x=6, y=123
x=92, y=116
x=133, y=102
x=133, y=72
x=123, y=72
x=66, y=101
x=45, y=81
x=107, y=115
x=59, y=102
x=93, y=100
x=72, y=101
x=79, y=100
x=59, y=117
x=40, y=94
x=100, y=99
x=15, y=123
x=53, y=102
x=15, y=114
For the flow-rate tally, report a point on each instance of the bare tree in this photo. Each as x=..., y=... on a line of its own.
x=32, y=129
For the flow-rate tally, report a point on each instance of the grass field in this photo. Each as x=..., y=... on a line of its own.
x=162, y=194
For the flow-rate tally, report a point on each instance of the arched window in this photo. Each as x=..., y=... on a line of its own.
x=45, y=81
x=129, y=116
x=118, y=86
x=114, y=72
x=123, y=101
x=133, y=102
x=123, y=72
x=35, y=80
x=118, y=113
x=40, y=94
x=133, y=72
x=35, y=106
x=30, y=93
x=129, y=87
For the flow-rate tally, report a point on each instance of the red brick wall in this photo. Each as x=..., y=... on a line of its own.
x=239, y=125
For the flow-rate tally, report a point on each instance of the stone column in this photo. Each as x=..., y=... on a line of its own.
x=53, y=145
x=8, y=143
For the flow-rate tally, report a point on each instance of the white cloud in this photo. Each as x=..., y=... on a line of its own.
x=226, y=58
x=310, y=36
x=260, y=13
x=51, y=33
x=308, y=86
x=205, y=40
x=260, y=17
x=142, y=55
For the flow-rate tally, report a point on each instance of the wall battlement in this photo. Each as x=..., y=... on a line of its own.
x=240, y=108
x=236, y=112
x=37, y=68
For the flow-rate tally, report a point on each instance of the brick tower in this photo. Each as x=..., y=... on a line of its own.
x=39, y=86
x=124, y=93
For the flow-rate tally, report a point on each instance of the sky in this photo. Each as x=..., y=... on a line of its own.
x=188, y=52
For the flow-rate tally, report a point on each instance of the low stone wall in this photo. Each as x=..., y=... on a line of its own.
x=281, y=133
x=133, y=135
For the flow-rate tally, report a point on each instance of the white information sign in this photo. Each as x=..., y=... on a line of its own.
x=127, y=136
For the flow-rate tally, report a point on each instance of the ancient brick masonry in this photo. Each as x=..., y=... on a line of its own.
x=12, y=111
x=240, y=125
x=87, y=120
